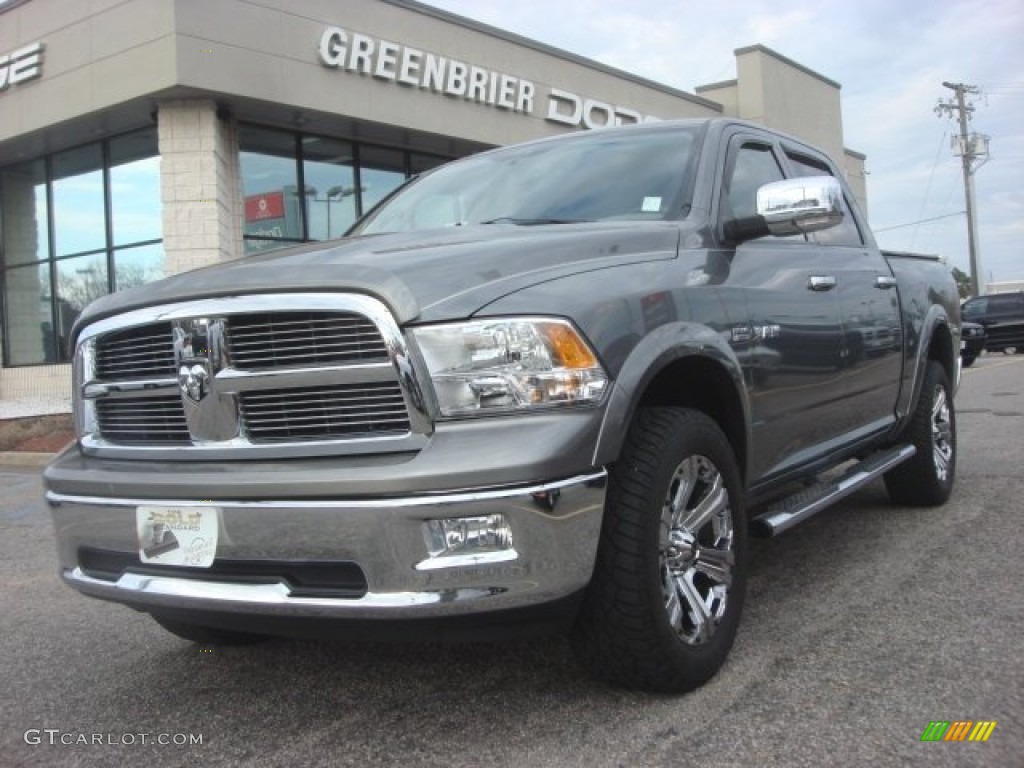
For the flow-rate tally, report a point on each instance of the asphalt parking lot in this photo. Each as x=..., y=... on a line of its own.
x=861, y=627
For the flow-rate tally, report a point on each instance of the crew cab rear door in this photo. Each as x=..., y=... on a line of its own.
x=872, y=350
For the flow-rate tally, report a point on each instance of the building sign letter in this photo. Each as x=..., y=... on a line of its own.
x=21, y=65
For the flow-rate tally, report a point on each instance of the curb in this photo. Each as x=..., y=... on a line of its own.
x=24, y=459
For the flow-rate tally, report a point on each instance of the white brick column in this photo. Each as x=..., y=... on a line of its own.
x=200, y=188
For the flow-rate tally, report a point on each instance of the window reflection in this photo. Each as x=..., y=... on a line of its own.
x=421, y=163
x=340, y=180
x=329, y=174
x=138, y=265
x=29, y=323
x=78, y=201
x=270, y=186
x=82, y=279
x=23, y=219
x=382, y=170
x=135, y=188
x=38, y=315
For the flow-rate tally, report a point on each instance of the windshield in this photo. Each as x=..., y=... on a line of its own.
x=591, y=177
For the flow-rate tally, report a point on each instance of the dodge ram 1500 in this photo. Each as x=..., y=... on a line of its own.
x=555, y=383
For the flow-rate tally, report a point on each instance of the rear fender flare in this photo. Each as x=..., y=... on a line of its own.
x=934, y=319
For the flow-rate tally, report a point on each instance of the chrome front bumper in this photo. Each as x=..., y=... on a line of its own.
x=555, y=529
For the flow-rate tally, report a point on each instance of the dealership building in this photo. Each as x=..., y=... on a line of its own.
x=141, y=138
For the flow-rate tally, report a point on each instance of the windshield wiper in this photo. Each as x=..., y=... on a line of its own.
x=532, y=222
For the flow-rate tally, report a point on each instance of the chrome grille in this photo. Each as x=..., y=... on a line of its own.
x=143, y=352
x=143, y=420
x=273, y=375
x=275, y=339
x=325, y=412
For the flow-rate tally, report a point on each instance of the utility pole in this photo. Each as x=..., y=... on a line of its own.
x=969, y=147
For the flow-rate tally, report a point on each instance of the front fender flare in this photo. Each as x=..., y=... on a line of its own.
x=656, y=351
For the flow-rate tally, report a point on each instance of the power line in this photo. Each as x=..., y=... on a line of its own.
x=945, y=204
x=928, y=189
x=921, y=221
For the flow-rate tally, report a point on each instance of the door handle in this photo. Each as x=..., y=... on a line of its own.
x=821, y=282
x=885, y=282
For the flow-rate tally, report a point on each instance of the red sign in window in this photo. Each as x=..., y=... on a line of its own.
x=266, y=206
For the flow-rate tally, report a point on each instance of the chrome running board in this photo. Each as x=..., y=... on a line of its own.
x=784, y=514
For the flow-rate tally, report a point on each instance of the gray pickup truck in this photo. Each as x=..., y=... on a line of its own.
x=551, y=384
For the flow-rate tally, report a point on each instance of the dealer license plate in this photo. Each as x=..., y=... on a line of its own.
x=177, y=535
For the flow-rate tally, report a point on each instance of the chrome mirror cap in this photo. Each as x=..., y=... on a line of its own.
x=799, y=206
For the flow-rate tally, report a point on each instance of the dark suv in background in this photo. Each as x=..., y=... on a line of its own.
x=1002, y=314
x=972, y=342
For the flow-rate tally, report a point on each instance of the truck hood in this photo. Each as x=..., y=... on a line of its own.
x=426, y=275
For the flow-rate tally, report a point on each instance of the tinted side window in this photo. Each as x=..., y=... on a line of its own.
x=754, y=165
x=1004, y=305
x=846, y=232
x=975, y=308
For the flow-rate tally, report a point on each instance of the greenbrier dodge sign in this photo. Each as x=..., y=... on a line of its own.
x=364, y=55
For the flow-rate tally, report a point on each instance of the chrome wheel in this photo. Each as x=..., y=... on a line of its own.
x=926, y=480
x=942, y=434
x=662, y=609
x=696, y=550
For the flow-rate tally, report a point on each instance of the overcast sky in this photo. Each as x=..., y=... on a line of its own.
x=891, y=58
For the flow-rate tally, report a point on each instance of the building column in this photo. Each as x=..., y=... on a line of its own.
x=200, y=188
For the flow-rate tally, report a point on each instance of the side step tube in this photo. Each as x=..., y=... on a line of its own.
x=794, y=509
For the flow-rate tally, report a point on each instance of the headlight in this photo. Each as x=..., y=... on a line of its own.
x=509, y=364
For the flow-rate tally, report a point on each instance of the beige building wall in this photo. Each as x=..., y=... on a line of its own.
x=726, y=93
x=784, y=95
x=857, y=177
x=97, y=55
x=270, y=52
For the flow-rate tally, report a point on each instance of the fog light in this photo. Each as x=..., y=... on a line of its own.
x=456, y=541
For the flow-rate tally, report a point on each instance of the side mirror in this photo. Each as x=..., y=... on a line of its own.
x=799, y=206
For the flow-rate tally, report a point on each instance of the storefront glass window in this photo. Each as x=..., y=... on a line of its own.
x=137, y=265
x=82, y=279
x=270, y=184
x=381, y=171
x=421, y=163
x=85, y=263
x=340, y=181
x=78, y=202
x=23, y=214
x=135, y=188
x=328, y=170
x=29, y=322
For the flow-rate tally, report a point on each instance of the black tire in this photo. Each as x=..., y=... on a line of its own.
x=197, y=633
x=640, y=625
x=927, y=479
x=968, y=360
